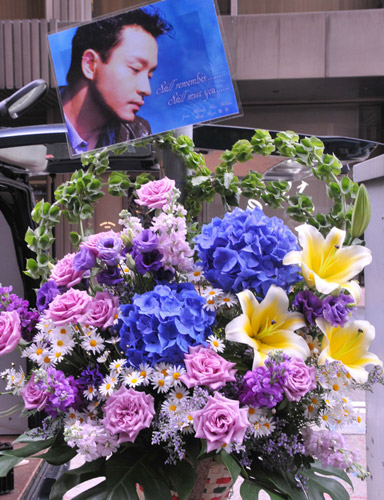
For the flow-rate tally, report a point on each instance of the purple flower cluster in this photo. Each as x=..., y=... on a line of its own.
x=245, y=250
x=162, y=324
x=12, y=302
x=335, y=309
x=61, y=389
x=266, y=385
x=327, y=446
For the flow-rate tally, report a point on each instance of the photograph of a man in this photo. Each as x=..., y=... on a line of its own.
x=112, y=63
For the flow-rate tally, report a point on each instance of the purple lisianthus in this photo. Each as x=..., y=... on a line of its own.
x=147, y=262
x=264, y=386
x=109, y=248
x=245, y=250
x=28, y=318
x=220, y=422
x=45, y=294
x=308, y=304
x=146, y=241
x=110, y=276
x=84, y=259
x=90, y=376
x=206, y=367
x=300, y=379
x=337, y=309
x=127, y=412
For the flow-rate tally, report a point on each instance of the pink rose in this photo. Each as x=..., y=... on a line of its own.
x=63, y=273
x=220, y=422
x=10, y=331
x=300, y=379
x=34, y=397
x=69, y=308
x=205, y=367
x=127, y=412
x=102, y=310
x=155, y=194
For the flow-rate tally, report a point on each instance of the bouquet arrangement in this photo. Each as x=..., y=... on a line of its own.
x=156, y=347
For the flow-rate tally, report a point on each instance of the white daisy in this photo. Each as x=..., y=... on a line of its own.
x=175, y=372
x=216, y=343
x=117, y=366
x=36, y=352
x=210, y=292
x=196, y=275
x=103, y=358
x=113, y=340
x=133, y=379
x=228, y=300
x=107, y=387
x=169, y=407
x=162, y=368
x=254, y=414
x=145, y=372
x=62, y=343
x=93, y=342
x=160, y=382
x=178, y=394
x=45, y=361
x=90, y=393
x=56, y=357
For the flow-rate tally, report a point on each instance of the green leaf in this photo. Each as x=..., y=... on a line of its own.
x=182, y=477
x=231, y=464
x=318, y=484
x=7, y=463
x=250, y=491
x=42, y=260
x=59, y=455
x=29, y=449
x=75, y=238
x=74, y=477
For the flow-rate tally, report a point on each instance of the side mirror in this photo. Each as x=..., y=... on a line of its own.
x=24, y=98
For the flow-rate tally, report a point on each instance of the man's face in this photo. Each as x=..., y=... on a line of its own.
x=122, y=82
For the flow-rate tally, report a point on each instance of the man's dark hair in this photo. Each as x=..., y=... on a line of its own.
x=104, y=35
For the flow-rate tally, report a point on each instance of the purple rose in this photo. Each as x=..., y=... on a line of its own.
x=309, y=304
x=34, y=398
x=300, y=379
x=10, y=331
x=220, y=422
x=102, y=310
x=109, y=248
x=63, y=274
x=69, y=308
x=46, y=293
x=146, y=241
x=84, y=259
x=127, y=412
x=110, y=276
x=206, y=367
x=155, y=194
x=337, y=310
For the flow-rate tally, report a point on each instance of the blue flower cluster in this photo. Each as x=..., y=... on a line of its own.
x=245, y=250
x=160, y=325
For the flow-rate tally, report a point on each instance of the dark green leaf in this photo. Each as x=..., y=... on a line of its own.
x=250, y=491
x=7, y=463
x=29, y=449
x=182, y=477
x=231, y=464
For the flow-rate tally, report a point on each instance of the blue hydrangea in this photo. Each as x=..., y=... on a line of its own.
x=245, y=250
x=160, y=325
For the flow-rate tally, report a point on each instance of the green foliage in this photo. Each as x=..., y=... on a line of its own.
x=123, y=471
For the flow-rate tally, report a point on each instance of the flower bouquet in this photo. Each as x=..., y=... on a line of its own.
x=161, y=348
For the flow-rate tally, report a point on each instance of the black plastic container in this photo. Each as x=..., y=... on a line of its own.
x=7, y=483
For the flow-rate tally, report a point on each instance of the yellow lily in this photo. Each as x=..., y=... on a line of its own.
x=325, y=263
x=268, y=326
x=348, y=345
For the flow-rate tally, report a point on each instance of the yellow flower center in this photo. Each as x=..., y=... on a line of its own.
x=58, y=354
x=134, y=381
x=39, y=351
x=179, y=395
x=90, y=390
x=325, y=418
x=63, y=331
x=143, y=373
x=108, y=386
x=251, y=411
x=215, y=343
x=172, y=407
x=164, y=372
x=93, y=343
x=176, y=375
x=60, y=343
x=161, y=382
x=335, y=387
x=46, y=359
